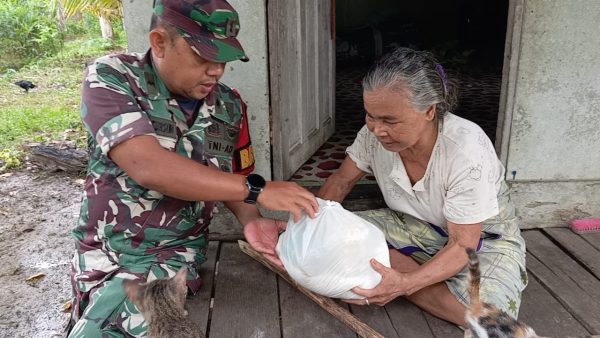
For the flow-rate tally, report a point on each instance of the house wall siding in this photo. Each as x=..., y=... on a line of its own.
x=549, y=119
x=555, y=133
x=550, y=110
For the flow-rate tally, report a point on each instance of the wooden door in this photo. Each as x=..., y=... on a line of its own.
x=302, y=80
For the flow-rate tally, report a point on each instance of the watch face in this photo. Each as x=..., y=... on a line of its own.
x=256, y=181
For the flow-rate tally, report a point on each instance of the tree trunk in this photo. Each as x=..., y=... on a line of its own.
x=106, y=28
x=60, y=15
x=53, y=158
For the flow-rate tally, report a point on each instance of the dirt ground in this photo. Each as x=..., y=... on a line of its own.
x=37, y=212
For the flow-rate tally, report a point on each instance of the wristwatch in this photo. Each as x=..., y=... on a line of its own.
x=255, y=184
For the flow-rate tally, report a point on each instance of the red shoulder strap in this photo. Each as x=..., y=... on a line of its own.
x=243, y=155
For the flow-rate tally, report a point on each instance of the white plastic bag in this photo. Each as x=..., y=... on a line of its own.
x=330, y=254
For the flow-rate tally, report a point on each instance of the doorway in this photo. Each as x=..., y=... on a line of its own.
x=467, y=37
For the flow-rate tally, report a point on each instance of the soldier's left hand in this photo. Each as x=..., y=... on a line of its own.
x=262, y=234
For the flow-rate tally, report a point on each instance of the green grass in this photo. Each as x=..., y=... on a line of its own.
x=21, y=125
x=49, y=112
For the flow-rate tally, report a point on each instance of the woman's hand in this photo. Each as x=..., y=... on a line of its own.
x=393, y=284
x=263, y=234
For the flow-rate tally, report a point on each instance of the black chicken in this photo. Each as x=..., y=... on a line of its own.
x=25, y=85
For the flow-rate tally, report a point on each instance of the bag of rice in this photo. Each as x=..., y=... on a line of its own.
x=330, y=254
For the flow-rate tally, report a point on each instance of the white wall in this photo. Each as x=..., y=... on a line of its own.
x=250, y=78
x=555, y=134
x=137, y=15
x=550, y=110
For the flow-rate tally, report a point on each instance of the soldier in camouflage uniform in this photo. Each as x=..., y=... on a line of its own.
x=166, y=140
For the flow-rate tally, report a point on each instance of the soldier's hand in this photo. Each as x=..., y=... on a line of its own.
x=263, y=234
x=288, y=196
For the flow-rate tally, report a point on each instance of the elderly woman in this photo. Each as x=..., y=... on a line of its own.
x=444, y=188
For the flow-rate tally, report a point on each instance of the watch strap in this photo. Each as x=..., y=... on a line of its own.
x=252, y=196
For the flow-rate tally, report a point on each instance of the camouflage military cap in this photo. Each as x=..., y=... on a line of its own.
x=209, y=26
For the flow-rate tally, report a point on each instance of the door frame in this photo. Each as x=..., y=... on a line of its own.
x=510, y=70
x=301, y=82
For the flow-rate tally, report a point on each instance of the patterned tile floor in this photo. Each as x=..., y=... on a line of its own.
x=479, y=95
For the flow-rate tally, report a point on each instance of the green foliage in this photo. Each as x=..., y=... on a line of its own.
x=109, y=8
x=33, y=49
x=22, y=125
x=49, y=112
x=82, y=50
x=10, y=159
x=27, y=31
x=86, y=24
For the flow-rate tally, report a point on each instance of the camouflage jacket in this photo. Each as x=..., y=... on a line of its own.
x=124, y=227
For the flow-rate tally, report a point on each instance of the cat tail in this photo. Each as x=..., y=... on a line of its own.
x=474, y=280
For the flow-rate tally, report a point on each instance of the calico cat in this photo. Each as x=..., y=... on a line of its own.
x=162, y=302
x=486, y=320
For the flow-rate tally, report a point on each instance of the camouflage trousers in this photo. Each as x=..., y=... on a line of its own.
x=109, y=314
x=105, y=311
x=501, y=257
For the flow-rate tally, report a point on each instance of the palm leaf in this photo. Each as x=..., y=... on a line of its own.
x=107, y=8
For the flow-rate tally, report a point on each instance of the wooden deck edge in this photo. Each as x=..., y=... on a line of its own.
x=225, y=237
x=581, y=307
x=362, y=329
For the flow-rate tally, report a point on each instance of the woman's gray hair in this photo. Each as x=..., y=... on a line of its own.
x=415, y=71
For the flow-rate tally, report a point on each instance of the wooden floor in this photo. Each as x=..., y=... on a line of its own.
x=241, y=298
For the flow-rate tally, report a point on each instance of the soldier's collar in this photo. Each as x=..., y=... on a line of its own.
x=155, y=87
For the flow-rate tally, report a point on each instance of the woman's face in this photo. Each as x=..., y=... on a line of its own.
x=396, y=123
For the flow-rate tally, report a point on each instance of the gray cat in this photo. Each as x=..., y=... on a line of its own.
x=162, y=302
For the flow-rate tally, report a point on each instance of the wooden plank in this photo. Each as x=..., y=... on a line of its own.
x=362, y=191
x=361, y=197
x=225, y=237
x=593, y=238
x=579, y=247
x=309, y=63
x=358, y=192
x=325, y=303
x=198, y=306
x=245, y=301
x=540, y=310
x=300, y=317
x=561, y=263
x=366, y=204
x=285, y=82
x=376, y=317
x=326, y=67
x=442, y=328
x=296, y=90
x=408, y=319
x=566, y=280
